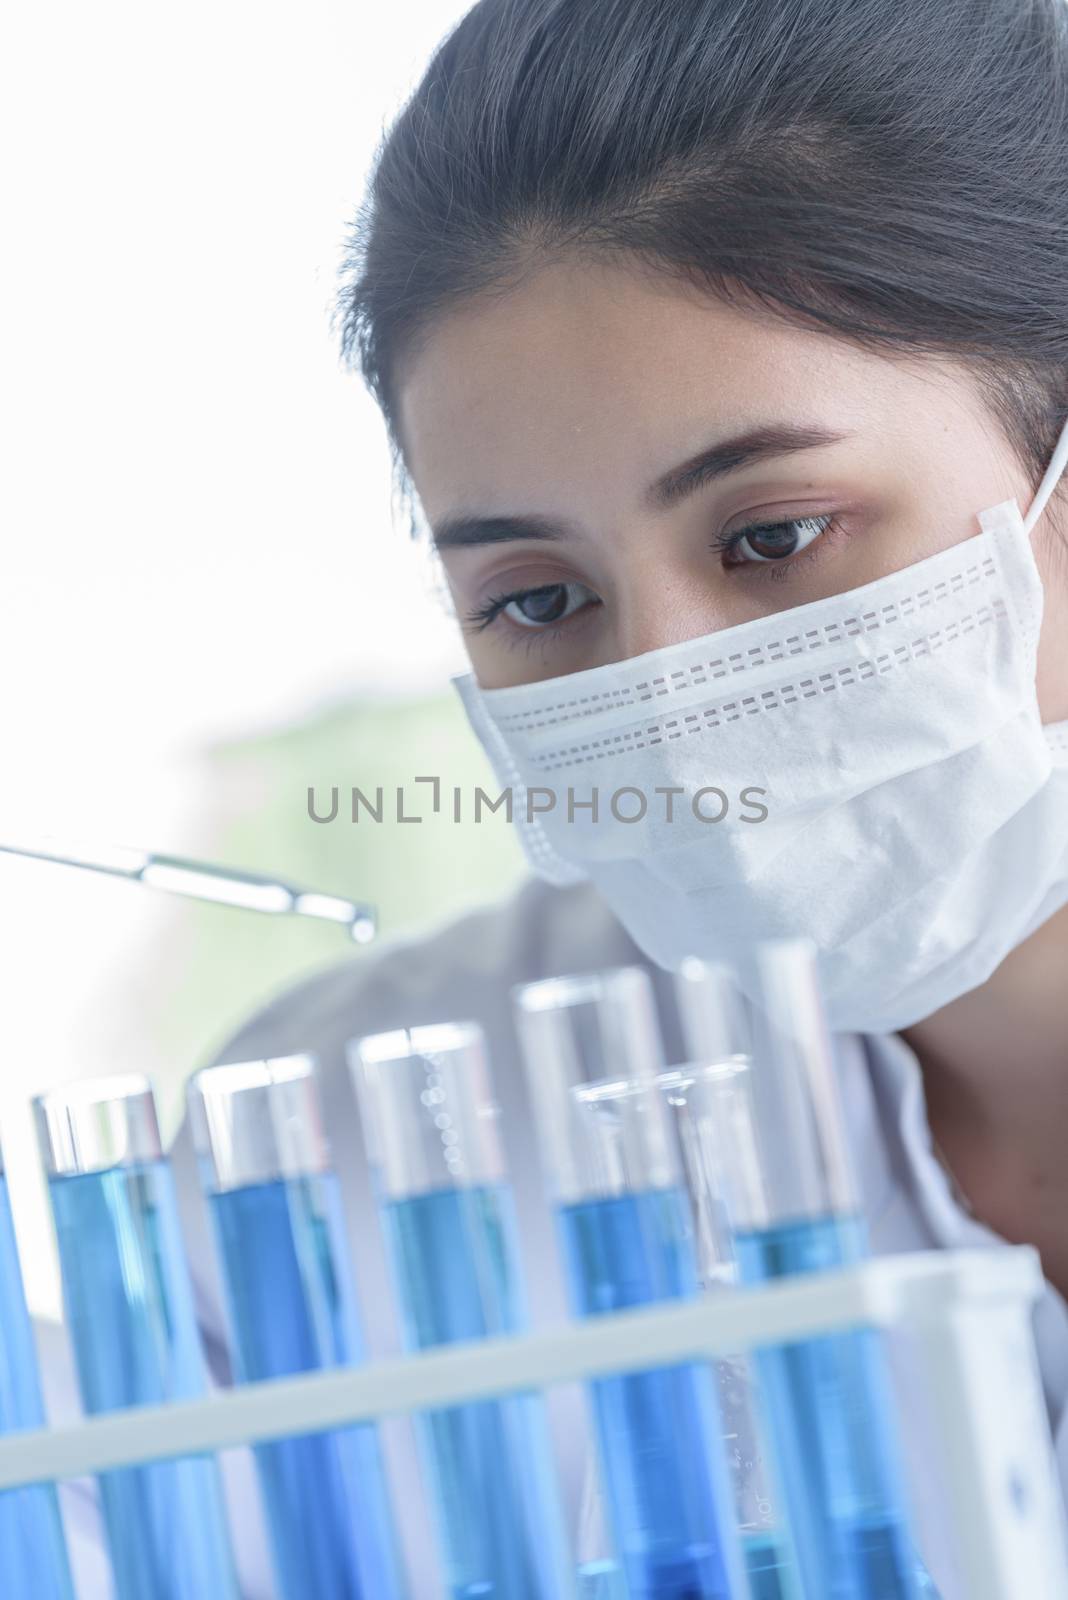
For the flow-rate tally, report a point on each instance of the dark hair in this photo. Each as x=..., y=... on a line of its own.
x=892, y=171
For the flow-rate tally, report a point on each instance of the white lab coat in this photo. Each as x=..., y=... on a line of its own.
x=465, y=970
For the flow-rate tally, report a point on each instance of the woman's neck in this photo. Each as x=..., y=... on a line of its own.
x=995, y=1070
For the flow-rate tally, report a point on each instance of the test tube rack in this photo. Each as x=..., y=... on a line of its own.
x=968, y=1312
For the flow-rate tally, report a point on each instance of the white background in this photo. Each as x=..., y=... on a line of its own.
x=195, y=498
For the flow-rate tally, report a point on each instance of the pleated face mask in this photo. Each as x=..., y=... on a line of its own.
x=869, y=770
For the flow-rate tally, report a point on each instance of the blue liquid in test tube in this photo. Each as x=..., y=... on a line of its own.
x=129, y=1306
x=33, y=1556
x=277, y=1214
x=592, y=1053
x=448, y=1217
x=836, y=1391
x=791, y=1197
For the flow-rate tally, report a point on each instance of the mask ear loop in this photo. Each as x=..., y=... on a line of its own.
x=1050, y=479
x=1056, y=732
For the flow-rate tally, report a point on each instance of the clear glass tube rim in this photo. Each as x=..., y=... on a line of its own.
x=96, y=1124
x=255, y=1072
x=592, y=1048
x=429, y=1112
x=258, y=1120
x=563, y=990
x=721, y=1069
x=400, y=1044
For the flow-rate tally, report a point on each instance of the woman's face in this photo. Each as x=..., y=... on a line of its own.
x=610, y=463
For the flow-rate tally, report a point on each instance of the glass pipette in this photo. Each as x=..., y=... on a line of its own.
x=201, y=880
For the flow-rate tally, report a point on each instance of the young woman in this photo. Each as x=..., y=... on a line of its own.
x=723, y=345
x=688, y=323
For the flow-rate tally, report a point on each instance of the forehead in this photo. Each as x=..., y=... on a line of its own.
x=594, y=370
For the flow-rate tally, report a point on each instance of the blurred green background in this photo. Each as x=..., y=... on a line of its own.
x=209, y=966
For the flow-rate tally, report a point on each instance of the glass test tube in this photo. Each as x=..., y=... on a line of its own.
x=698, y=1094
x=277, y=1216
x=129, y=1306
x=33, y=1555
x=432, y=1137
x=592, y=1052
x=790, y=1194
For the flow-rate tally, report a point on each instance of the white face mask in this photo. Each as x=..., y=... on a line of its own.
x=917, y=808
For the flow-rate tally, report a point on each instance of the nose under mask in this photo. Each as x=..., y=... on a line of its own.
x=870, y=770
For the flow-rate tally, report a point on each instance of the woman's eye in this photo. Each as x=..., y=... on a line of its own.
x=535, y=608
x=772, y=541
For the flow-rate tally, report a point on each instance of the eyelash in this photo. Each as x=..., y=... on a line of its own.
x=726, y=543
x=482, y=616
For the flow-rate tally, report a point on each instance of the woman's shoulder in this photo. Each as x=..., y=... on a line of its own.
x=465, y=964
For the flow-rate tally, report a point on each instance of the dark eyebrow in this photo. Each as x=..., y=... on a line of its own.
x=673, y=486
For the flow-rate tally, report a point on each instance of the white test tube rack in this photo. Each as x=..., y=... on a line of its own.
x=968, y=1312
